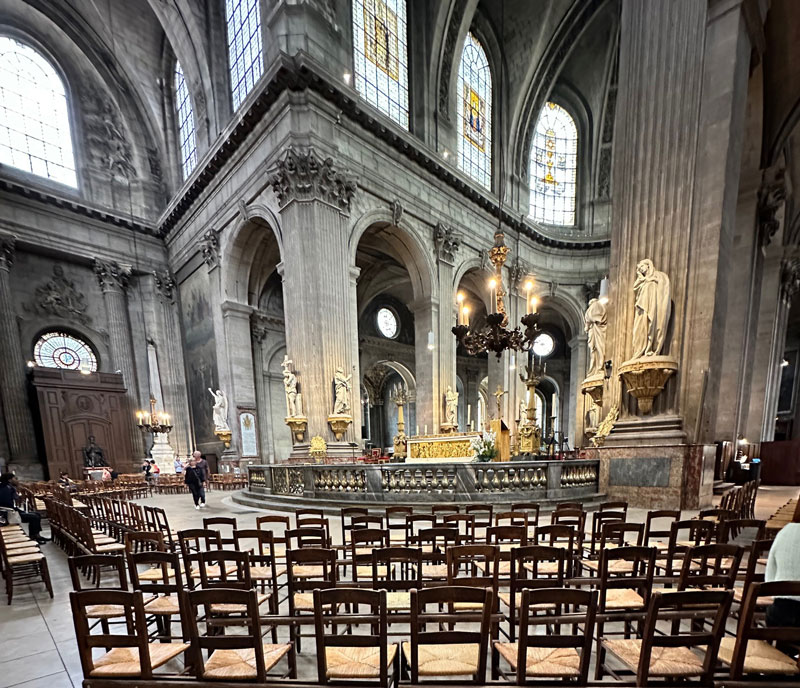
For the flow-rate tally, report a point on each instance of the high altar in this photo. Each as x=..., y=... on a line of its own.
x=440, y=448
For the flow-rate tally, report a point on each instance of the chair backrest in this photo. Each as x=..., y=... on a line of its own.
x=569, y=505
x=599, y=519
x=530, y=508
x=435, y=542
x=277, y=525
x=362, y=542
x=507, y=537
x=683, y=535
x=319, y=571
x=169, y=564
x=372, y=522
x=575, y=610
x=627, y=568
x=483, y=514
x=536, y=566
x=376, y=635
x=710, y=566
x=614, y=506
x=450, y=596
x=248, y=642
x=224, y=568
x=438, y=512
x=658, y=524
x=297, y=538
x=396, y=520
x=405, y=561
x=749, y=627
x=733, y=528
x=463, y=566
x=684, y=605
x=301, y=514
x=225, y=525
x=511, y=518
x=131, y=634
x=93, y=565
x=619, y=533
x=144, y=541
x=570, y=517
x=465, y=524
x=346, y=516
x=307, y=523
x=194, y=541
x=414, y=524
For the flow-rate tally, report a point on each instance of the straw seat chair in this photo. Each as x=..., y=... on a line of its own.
x=657, y=527
x=260, y=544
x=439, y=511
x=559, y=535
x=395, y=519
x=415, y=524
x=346, y=515
x=221, y=523
x=227, y=569
x=506, y=539
x=465, y=524
x=398, y=570
x=301, y=587
x=130, y=654
x=162, y=594
x=682, y=536
x=483, y=517
x=434, y=543
x=752, y=652
x=236, y=656
x=616, y=533
x=277, y=525
x=362, y=543
x=674, y=655
x=464, y=562
x=452, y=652
x=354, y=657
x=93, y=566
x=193, y=541
x=23, y=564
x=599, y=519
x=562, y=658
x=756, y=569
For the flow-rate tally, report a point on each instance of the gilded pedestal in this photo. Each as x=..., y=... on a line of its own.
x=339, y=424
x=592, y=387
x=645, y=378
x=298, y=425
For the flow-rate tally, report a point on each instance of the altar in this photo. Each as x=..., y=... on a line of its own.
x=451, y=448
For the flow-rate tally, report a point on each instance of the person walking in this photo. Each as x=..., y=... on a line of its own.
x=202, y=466
x=193, y=477
x=8, y=500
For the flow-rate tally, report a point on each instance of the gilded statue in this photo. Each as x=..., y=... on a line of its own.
x=652, y=310
x=594, y=324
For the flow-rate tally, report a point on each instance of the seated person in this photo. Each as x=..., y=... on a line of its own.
x=8, y=500
x=783, y=564
x=106, y=474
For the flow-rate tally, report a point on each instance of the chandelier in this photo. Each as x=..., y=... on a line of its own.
x=153, y=421
x=495, y=335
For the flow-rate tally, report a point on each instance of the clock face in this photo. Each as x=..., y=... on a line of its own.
x=543, y=345
x=387, y=323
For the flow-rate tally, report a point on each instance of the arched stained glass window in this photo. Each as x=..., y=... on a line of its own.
x=380, y=53
x=34, y=120
x=186, y=135
x=62, y=350
x=554, y=166
x=475, y=113
x=244, y=47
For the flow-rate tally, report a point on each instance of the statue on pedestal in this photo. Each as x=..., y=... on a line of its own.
x=220, y=411
x=652, y=310
x=294, y=404
x=451, y=406
x=595, y=321
x=341, y=387
x=93, y=455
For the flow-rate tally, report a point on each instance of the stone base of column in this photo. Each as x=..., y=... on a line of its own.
x=27, y=472
x=651, y=431
x=228, y=461
x=680, y=476
x=161, y=451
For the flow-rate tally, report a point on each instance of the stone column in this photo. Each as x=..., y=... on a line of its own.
x=578, y=404
x=13, y=385
x=314, y=198
x=172, y=368
x=430, y=393
x=258, y=331
x=113, y=280
x=446, y=242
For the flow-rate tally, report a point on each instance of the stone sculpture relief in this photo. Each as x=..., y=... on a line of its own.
x=59, y=297
x=652, y=310
x=595, y=321
x=341, y=387
x=108, y=147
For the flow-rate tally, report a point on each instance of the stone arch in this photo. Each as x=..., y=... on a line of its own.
x=406, y=374
x=405, y=241
x=568, y=306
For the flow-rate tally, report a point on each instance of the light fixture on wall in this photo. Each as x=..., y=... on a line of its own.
x=153, y=421
x=31, y=364
x=608, y=366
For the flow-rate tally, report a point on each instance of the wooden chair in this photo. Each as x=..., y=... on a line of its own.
x=307, y=523
x=309, y=569
x=682, y=536
x=219, y=523
x=599, y=519
x=465, y=524
x=307, y=536
x=752, y=653
x=755, y=572
x=530, y=508
x=193, y=541
x=354, y=657
x=710, y=566
x=440, y=510
x=346, y=515
x=144, y=541
x=398, y=570
x=474, y=566
x=301, y=514
x=396, y=523
x=22, y=564
x=511, y=518
x=233, y=657
x=673, y=656
x=414, y=524
x=656, y=532
x=569, y=505
x=614, y=506
x=92, y=566
x=733, y=528
x=560, y=536
x=362, y=543
x=434, y=543
x=264, y=569
x=532, y=567
x=455, y=651
x=128, y=653
x=556, y=658
x=277, y=525
x=162, y=594
x=483, y=517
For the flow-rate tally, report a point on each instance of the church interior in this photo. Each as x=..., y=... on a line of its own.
x=399, y=341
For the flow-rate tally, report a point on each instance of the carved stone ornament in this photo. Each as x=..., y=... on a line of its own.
x=108, y=146
x=771, y=196
x=448, y=53
x=318, y=448
x=339, y=424
x=790, y=279
x=298, y=426
x=605, y=427
x=304, y=176
x=59, y=297
x=209, y=245
x=592, y=387
x=645, y=378
x=397, y=212
x=7, y=244
x=112, y=276
x=165, y=285
x=516, y=273
x=446, y=241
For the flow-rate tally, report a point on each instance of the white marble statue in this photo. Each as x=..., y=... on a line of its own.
x=220, y=411
x=523, y=411
x=293, y=403
x=341, y=387
x=594, y=324
x=652, y=310
x=451, y=406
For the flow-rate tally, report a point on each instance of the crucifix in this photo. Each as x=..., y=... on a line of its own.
x=498, y=395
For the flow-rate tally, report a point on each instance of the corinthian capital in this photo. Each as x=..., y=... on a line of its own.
x=304, y=176
x=111, y=276
x=165, y=285
x=446, y=241
x=7, y=248
x=209, y=245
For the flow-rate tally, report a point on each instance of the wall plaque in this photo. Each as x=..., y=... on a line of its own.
x=247, y=428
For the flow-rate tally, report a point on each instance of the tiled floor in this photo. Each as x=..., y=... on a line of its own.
x=38, y=644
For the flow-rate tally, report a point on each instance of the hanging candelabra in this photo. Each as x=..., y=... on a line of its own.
x=155, y=422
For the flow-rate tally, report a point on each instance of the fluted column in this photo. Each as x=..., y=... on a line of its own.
x=430, y=394
x=314, y=197
x=576, y=417
x=13, y=385
x=447, y=241
x=113, y=280
x=266, y=447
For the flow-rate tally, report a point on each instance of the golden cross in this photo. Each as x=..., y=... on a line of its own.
x=498, y=395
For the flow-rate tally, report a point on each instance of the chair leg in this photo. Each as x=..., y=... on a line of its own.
x=45, y=570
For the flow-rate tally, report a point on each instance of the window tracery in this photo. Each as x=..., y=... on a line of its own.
x=475, y=113
x=245, y=60
x=186, y=132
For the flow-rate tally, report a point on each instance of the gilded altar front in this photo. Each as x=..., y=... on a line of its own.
x=440, y=448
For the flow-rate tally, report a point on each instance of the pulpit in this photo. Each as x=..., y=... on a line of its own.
x=502, y=439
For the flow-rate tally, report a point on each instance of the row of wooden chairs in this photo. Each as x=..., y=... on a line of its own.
x=227, y=481
x=21, y=560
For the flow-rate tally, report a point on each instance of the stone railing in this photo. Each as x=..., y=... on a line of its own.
x=515, y=481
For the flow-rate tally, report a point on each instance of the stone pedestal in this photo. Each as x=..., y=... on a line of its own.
x=645, y=378
x=161, y=451
x=228, y=461
x=298, y=425
x=592, y=387
x=339, y=424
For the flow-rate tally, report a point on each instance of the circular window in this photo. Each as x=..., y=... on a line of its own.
x=61, y=350
x=543, y=345
x=387, y=322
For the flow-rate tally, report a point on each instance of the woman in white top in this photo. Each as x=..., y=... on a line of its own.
x=783, y=564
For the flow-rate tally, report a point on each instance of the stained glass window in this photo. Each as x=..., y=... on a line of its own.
x=244, y=47
x=34, y=119
x=475, y=113
x=61, y=350
x=381, y=56
x=186, y=137
x=554, y=165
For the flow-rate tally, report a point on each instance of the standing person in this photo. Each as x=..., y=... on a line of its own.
x=146, y=468
x=178, y=465
x=202, y=465
x=8, y=500
x=155, y=471
x=783, y=564
x=193, y=477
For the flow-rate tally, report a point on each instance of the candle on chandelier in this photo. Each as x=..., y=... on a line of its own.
x=528, y=287
x=460, y=307
x=493, y=295
x=534, y=305
x=469, y=413
x=465, y=312
x=139, y=417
